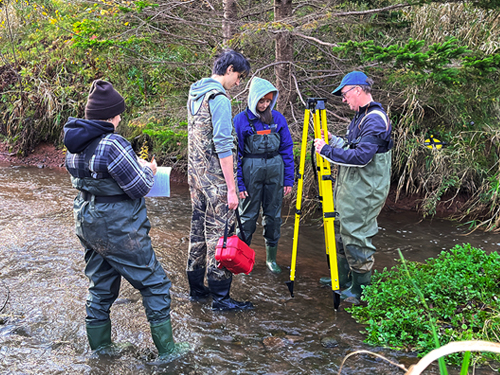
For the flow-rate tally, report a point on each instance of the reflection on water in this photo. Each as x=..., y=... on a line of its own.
x=41, y=265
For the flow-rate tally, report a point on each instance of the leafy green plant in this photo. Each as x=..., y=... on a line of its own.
x=432, y=320
x=459, y=290
x=169, y=139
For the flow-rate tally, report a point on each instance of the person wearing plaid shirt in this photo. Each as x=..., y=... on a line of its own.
x=112, y=223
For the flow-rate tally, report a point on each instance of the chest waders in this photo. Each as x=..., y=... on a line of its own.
x=113, y=228
x=360, y=195
x=263, y=174
x=208, y=190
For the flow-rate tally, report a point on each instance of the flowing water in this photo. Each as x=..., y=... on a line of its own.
x=43, y=291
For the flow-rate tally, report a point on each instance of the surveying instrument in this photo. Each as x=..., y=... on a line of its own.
x=316, y=106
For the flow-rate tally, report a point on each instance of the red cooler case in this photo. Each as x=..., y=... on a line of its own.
x=237, y=257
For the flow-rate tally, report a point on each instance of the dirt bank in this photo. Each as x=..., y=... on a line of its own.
x=48, y=156
x=43, y=156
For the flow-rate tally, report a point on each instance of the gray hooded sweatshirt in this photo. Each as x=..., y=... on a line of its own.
x=220, y=108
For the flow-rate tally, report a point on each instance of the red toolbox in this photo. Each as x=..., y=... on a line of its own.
x=236, y=256
x=233, y=253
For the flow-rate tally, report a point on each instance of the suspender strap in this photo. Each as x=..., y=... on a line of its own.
x=372, y=138
x=82, y=168
x=213, y=95
x=252, y=121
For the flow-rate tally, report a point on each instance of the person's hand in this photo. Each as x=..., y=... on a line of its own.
x=243, y=194
x=232, y=200
x=323, y=135
x=144, y=163
x=287, y=190
x=153, y=166
x=319, y=144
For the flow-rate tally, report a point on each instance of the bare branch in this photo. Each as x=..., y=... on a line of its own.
x=298, y=91
x=337, y=116
x=314, y=39
x=210, y=5
x=293, y=113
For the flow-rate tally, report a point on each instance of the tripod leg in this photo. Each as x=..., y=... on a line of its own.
x=298, y=205
x=325, y=182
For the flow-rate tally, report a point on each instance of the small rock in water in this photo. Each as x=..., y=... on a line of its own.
x=273, y=342
x=329, y=342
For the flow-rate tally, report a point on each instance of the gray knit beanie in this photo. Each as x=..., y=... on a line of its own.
x=104, y=101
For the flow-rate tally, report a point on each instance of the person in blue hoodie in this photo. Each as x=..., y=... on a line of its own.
x=265, y=165
x=364, y=158
x=211, y=178
x=112, y=223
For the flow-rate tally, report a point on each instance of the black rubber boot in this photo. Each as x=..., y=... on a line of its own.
x=271, y=252
x=220, y=296
x=353, y=293
x=345, y=276
x=168, y=350
x=198, y=291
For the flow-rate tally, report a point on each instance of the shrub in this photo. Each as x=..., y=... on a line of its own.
x=460, y=288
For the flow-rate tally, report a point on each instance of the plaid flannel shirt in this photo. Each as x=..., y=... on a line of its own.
x=115, y=155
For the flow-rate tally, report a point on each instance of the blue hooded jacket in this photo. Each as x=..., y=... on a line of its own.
x=80, y=133
x=258, y=89
x=372, y=125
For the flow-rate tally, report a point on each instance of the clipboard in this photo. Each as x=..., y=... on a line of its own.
x=161, y=186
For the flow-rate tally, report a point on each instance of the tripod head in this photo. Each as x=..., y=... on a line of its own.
x=316, y=103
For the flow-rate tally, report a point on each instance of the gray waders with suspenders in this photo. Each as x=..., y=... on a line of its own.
x=263, y=175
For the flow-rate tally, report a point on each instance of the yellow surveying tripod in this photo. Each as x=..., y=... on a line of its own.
x=316, y=106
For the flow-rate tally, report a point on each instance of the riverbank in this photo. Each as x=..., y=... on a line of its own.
x=48, y=156
x=44, y=155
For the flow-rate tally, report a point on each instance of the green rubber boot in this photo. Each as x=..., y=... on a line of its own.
x=353, y=293
x=100, y=341
x=271, y=252
x=99, y=336
x=345, y=276
x=168, y=350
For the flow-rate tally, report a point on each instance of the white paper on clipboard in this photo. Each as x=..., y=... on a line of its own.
x=161, y=187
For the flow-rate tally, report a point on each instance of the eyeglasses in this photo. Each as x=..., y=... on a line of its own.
x=345, y=92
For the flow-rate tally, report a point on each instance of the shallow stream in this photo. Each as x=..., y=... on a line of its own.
x=43, y=287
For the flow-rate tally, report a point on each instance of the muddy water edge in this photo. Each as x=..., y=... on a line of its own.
x=43, y=290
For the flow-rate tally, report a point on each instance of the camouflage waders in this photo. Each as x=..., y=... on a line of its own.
x=207, y=226
x=208, y=192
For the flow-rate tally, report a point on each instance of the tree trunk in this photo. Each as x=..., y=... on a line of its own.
x=284, y=52
x=228, y=25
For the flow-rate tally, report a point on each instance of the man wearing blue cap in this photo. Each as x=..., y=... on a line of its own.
x=363, y=181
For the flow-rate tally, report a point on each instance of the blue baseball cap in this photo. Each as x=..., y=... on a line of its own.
x=351, y=79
